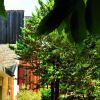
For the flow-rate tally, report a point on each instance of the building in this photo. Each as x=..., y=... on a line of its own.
x=8, y=73
x=26, y=76
x=11, y=76
x=9, y=33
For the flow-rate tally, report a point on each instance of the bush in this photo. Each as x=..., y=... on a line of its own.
x=28, y=95
x=45, y=93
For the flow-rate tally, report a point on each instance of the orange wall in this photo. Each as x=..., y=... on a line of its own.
x=25, y=75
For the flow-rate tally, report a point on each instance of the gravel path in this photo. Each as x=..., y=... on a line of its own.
x=7, y=56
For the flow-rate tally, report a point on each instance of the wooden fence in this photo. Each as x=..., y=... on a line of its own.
x=10, y=26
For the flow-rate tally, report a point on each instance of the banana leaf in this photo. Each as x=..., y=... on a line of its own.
x=83, y=16
x=2, y=8
x=77, y=23
x=93, y=17
x=62, y=9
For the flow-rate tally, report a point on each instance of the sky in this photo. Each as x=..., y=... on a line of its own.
x=27, y=5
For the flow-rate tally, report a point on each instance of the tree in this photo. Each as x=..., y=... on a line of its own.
x=75, y=69
x=28, y=46
x=59, y=59
x=27, y=41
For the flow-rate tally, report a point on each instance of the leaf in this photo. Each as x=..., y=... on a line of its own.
x=93, y=17
x=85, y=1
x=2, y=8
x=62, y=9
x=77, y=24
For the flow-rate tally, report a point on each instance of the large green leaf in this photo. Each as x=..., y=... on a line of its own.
x=2, y=8
x=62, y=9
x=85, y=18
x=77, y=24
x=93, y=16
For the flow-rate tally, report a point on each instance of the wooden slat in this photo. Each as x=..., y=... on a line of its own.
x=10, y=27
x=0, y=29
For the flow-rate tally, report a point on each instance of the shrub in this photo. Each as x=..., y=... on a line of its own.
x=45, y=93
x=28, y=95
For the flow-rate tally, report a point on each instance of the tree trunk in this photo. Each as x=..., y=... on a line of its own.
x=57, y=89
x=52, y=90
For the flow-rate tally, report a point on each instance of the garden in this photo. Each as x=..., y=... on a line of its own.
x=66, y=42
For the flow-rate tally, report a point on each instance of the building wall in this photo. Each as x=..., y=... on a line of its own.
x=16, y=87
x=20, y=77
x=25, y=76
x=9, y=85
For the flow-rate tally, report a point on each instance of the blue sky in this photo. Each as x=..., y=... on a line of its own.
x=27, y=5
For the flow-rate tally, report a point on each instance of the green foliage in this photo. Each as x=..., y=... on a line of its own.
x=77, y=69
x=24, y=94
x=27, y=42
x=12, y=46
x=28, y=95
x=2, y=8
x=45, y=93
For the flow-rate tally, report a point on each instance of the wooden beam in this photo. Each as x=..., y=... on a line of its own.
x=4, y=88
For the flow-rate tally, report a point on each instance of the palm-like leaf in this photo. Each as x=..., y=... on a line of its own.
x=62, y=9
x=2, y=8
x=77, y=23
x=83, y=16
x=93, y=16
